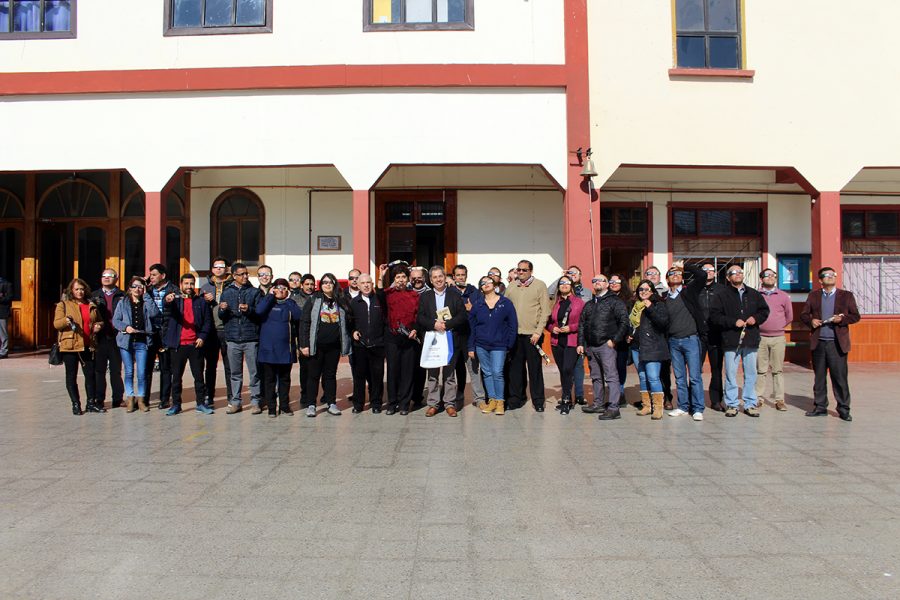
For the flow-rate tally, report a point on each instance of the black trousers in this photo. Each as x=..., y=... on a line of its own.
x=402, y=362
x=419, y=375
x=368, y=369
x=277, y=377
x=665, y=377
x=323, y=366
x=215, y=346
x=716, y=364
x=461, y=370
x=828, y=357
x=565, y=358
x=72, y=360
x=180, y=357
x=525, y=356
x=303, y=368
x=165, y=370
x=107, y=354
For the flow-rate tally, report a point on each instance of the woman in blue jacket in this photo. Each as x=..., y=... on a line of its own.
x=133, y=320
x=277, y=351
x=494, y=325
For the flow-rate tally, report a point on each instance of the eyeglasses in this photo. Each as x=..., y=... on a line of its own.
x=735, y=272
x=136, y=286
x=353, y=278
x=644, y=289
x=218, y=266
x=651, y=273
x=486, y=282
x=571, y=272
x=769, y=274
x=522, y=270
x=295, y=280
x=327, y=282
x=493, y=274
x=261, y=275
x=280, y=288
x=615, y=282
x=565, y=283
x=709, y=269
x=828, y=274
x=108, y=276
x=596, y=279
x=244, y=274
x=673, y=272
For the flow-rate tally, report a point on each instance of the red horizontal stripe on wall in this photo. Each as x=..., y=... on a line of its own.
x=277, y=78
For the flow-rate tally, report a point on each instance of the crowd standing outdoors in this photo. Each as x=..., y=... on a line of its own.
x=490, y=335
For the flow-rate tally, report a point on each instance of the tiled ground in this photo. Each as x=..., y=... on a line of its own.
x=524, y=506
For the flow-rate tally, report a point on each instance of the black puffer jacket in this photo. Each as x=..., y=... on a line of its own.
x=729, y=307
x=650, y=339
x=706, y=299
x=604, y=318
x=690, y=295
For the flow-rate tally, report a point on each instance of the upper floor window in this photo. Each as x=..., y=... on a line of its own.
x=693, y=222
x=418, y=15
x=205, y=17
x=872, y=224
x=708, y=34
x=25, y=19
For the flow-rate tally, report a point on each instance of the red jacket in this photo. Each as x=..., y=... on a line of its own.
x=575, y=308
x=844, y=303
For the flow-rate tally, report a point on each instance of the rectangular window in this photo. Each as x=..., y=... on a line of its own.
x=213, y=17
x=37, y=19
x=716, y=222
x=418, y=15
x=708, y=34
x=870, y=224
x=623, y=221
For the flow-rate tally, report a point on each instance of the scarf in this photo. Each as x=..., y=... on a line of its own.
x=525, y=283
x=635, y=316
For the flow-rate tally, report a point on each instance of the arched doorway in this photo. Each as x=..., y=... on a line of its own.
x=12, y=225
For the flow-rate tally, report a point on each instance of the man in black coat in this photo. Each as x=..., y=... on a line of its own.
x=712, y=345
x=739, y=311
x=442, y=311
x=107, y=353
x=368, y=317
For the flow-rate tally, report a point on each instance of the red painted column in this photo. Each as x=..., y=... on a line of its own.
x=826, y=234
x=580, y=249
x=154, y=229
x=361, y=230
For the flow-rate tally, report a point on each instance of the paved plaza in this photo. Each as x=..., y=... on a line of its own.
x=526, y=505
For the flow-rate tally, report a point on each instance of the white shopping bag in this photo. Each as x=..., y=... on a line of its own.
x=437, y=349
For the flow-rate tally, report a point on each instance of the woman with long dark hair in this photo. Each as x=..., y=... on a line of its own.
x=649, y=320
x=77, y=323
x=563, y=328
x=133, y=320
x=324, y=338
x=402, y=340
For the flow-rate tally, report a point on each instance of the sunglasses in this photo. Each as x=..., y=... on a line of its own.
x=136, y=286
x=565, y=283
x=492, y=274
x=280, y=288
x=644, y=289
x=829, y=274
x=651, y=273
x=244, y=274
x=769, y=274
x=522, y=270
x=708, y=269
x=486, y=282
x=352, y=278
x=730, y=273
x=327, y=282
x=596, y=279
x=218, y=266
x=295, y=280
x=261, y=275
x=615, y=282
x=107, y=276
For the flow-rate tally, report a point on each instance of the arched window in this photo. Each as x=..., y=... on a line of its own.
x=72, y=199
x=238, y=227
x=10, y=207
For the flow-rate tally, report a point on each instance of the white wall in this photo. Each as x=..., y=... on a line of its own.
x=499, y=228
x=359, y=131
x=128, y=34
x=822, y=99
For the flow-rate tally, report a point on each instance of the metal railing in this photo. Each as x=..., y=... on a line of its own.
x=875, y=282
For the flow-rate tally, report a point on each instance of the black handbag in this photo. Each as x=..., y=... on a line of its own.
x=54, y=358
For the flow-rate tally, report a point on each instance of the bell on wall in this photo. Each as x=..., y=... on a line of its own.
x=589, y=170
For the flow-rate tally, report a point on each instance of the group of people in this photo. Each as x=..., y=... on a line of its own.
x=493, y=333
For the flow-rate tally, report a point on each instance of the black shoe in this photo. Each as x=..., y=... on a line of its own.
x=76, y=408
x=390, y=411
x=376, y=411
x=592, y=409
x=93, y=407
x=717, y=406
x=579, y=400
x=403, y=413
x=356, y=411
x=845, y=415
x=539, y=408
x=610, y=414
x=118, y=403
x=287, y=411
x=164, y=404
x=816, y=412
x=565, y=407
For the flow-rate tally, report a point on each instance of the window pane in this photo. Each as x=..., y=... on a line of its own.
x=173, y=207
x=689, y=15
x=691, y=51
x=882, y=224
x=722, y=15
x=431, y=212
x=91, y=255
x=228, y=240
x=250, y=241
x=4, y=16
x=56, y=15
x=684, y=222
x=251, y=12
x=27, y=15
x=11, y=259
x=852, y=224
x=186, y=13
x=386, y=11
x=418, y=11
x=606, y=220
x=10, y=207
x=451, y=11
x=399, y=211
x=715, y=222
x=746, y=222
x=135, y=207
x=134, y=253
x=219, y=13
x=723, y=53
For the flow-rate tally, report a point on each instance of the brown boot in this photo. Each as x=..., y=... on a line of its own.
x=145, y=404
x=130, y=404
x=645, y=404
x=656, y=399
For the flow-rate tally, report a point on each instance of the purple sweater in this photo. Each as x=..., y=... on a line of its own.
x=781, y=313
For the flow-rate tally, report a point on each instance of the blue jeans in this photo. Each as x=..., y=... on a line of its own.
x=747, y=356
x=492, y=362
x=648, y=374
x=686, y=355
x=136, y=356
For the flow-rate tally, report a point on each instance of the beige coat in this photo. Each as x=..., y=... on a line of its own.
x=68, y=340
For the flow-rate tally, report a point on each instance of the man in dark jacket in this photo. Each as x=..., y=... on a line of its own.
x=159, y=287
x=466, y=365
x=107, y=354
x=368, y=318
x=739, y=311
x=237, y=309
x=829, y=312
x=603, y=324
x=687, y=327
x=215, y=344
x=443, y=311
x=190, y=322
x=302, y=289
x=6, y=298
x=712, y=345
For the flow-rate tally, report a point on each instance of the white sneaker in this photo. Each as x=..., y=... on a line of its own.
x=677, y=412
x=310, y=411
x=698, y=416
x=333, y=409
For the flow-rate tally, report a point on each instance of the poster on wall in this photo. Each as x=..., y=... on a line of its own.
x=329, y=242
x=793, y=272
